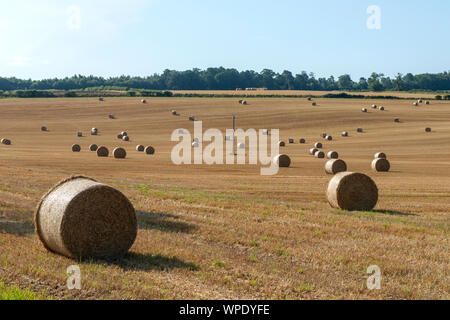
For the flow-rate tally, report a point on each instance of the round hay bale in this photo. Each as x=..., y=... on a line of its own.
x=241, y=145
x=126, y=138
x=334, y=166
x=93, y=147
x=364, y=110
x=44, y=128
x=94, y=131
x=352, y=191
x=427, y=129
x=344, y=134
x=143, y=101
x=427, y=102
x=140, y=148
x=111, y=116
x=319, y=154
x=149, y=150
x=381, y=108
x=102, y=152
x=374, y=106
x=291, y=140
x=381, y=165
x=318, y=145
x=314, y=104
x=6, y=141
x=332, y=155
x=323, y=135
x=329, y=138
x=76, y=148
x=79, y=134
x=82, y=218
x=119, y=136
x=309, y=98
x=282, y=160
x=174, y=112
x=302, y=141
x=380, y=155
x=282, y=144
x=244, y=102
x=415, y=104
x=312, y=151
x=359, y=130
x=419, y=101
x=397, y=120
x=119, y=153
x=191, y=118
x=124, y=133
x=101, y=99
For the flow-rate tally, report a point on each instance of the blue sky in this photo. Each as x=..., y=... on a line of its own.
x=45, y=38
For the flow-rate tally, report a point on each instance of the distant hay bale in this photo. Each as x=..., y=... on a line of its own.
x=149, y=150
x=334, y=166
x=319, y=154
x=380, y=155
x=318, y=145
x=427, y=129
x=281, y=144
x=124, y=133
x=329, y=138
x=94, y=131
x=415, y=104
x=143, y=101
x=374, y=106
x=119, y=136
x=174, y=112
x=244, y=102
x=364, y=110
x=309, y=98
x=323, y=135
x=240, y=101
x=314, y=104
x=111, y=116
x=302, y=140
x=5, y=141
x=332, y=155
x=381, y=108
x=352, y=191
x=81, y=218
x=140, y=148
x=312, y=151
x=191, y=118
x=282, y=160
x=241, y=145
x=101, y=99
x=419, y=101
x=79, y=134
x=397, y=120
x=344, y=134
x=291, y=140
x=102, y=152
x=76, y=148
x=360, y=130
x=93, y=147
x=126, y=138
x=427, y=102
x=119, y=153
x=381, y=165
x=44, y=128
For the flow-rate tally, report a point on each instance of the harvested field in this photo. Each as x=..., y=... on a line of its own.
x=225, y=231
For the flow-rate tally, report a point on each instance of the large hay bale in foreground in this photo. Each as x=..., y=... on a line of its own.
x=93, y=147
x=76, y=148
x=380, y=155
x=381, y=165
x=352, y=191
x=81, y=218
x=334, y=166
x=282, y=160
x=319, y=154
x=140, y=148
x=332, y=155
x=149, y=150
x=102, y=152
x=119, y=153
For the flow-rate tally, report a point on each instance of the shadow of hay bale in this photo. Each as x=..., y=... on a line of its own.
x=19, y=228
x=395, y=213
x=146, y=262
x=163, y=222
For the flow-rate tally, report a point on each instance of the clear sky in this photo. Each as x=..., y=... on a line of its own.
x=58, y=38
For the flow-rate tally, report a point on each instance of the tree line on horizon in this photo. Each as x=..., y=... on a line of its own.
x=231, y=79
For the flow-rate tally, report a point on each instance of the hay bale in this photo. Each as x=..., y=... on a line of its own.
x=119, y=153
x=352, y=191
x=101, y=99
x=381, y=108
x=312, y=151
x=364, y=110
x=291, y=140
x=318, y=145
x=314, y=104
x=124, y=133
x=126, y=138
x=119, y=136
x=191, y=118
x=381, y=165
x=380, y=155
x=140, y=148
x=44, y=128
x=5, y=141
x=323, y=135
x=111, y=116
x=149, y=150
x=309, y=98
x=427, y=102
x=344, y=134
x=174, y=112
x=76, y=148
x=82, y=218
x=79, y=134
x=94, y=131
x=374, y=106
x=281, y=144
x=244, y=102
x=334, y=166
x=332, y=155
x=359, y=130
x=319, y=154
x=282, y=160
x=397, y=120
x=415, y=104
x=93, y=147
x=143, y=101
x=427, y=129
x=329, y=138
x=102, y=152
x=302, y=140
